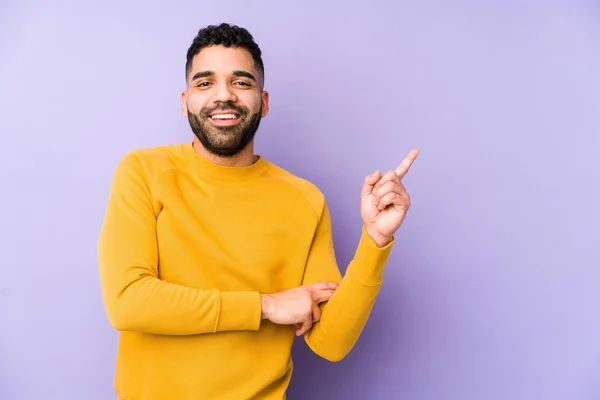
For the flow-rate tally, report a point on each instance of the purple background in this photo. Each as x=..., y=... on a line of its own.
x=493, y=289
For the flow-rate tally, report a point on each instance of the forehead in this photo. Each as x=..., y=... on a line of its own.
x=223, y=60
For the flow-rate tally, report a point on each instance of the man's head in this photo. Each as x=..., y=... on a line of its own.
x=224, y=99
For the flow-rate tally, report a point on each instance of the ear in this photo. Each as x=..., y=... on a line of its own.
x=184, y=107
x=265, y=103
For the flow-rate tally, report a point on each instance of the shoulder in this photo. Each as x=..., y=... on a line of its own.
x=308, y=190
x=151, y=161
x=140, y=167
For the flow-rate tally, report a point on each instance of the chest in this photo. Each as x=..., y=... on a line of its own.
x=234, y=238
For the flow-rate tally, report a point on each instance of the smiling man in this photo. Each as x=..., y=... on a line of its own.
x=213, y=259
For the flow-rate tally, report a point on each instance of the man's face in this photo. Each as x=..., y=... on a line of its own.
x=224, y=101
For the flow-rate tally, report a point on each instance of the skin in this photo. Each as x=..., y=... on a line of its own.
x=229, y=82
x=227, y=78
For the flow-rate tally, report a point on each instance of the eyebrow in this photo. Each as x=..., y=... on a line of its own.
x=202, y=74
x=240, y=73
x=244, y=74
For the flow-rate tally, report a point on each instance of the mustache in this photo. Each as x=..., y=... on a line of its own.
x=243, y=111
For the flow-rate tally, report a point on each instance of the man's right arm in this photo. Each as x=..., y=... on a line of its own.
x=135, y=298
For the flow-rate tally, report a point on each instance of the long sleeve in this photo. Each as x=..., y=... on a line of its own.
x=347, y=311
x=135, y=298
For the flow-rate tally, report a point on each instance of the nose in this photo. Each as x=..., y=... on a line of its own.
x=224, y=94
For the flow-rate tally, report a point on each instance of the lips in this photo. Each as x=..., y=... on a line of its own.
x=225, y=118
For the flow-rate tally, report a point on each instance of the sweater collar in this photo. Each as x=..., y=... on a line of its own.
x=219, y=171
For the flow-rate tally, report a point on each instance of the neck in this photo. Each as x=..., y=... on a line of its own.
x=243, y=159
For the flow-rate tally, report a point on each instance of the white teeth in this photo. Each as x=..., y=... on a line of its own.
x=224, y=116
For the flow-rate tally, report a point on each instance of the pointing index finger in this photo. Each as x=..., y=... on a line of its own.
x=406, y=163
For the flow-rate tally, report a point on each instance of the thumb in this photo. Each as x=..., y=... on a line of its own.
x=369, y=182
x=304, y=326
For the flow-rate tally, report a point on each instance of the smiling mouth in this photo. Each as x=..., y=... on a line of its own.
x=225, y=118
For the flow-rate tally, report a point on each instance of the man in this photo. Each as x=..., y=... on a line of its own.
x=212, y=259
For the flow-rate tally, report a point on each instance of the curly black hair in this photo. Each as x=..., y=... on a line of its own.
x=225, y=35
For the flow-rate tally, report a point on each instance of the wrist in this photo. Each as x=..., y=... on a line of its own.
x=265, y=302
x=378, y=239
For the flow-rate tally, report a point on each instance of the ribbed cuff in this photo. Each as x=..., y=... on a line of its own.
x=369, y=261
x=239, y=311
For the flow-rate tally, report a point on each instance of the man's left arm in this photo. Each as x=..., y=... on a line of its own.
x=384, y=203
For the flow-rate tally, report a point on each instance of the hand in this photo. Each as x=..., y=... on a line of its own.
x=385, y=201
x=298, y=306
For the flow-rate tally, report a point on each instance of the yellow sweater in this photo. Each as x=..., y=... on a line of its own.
x=187, y=247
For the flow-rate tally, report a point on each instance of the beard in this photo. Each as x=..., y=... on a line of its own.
x=225, y=141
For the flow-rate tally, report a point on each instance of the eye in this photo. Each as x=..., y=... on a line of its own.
x=242, y=83
x=203, y=84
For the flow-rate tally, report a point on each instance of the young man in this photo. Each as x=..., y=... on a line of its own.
x=212, y=259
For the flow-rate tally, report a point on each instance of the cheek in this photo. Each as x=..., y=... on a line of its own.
x=250, y=101
x=195, y=103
